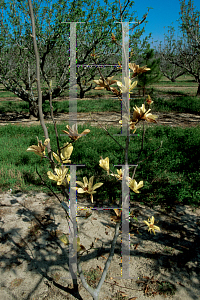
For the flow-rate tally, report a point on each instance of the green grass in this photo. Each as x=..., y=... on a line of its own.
x=170, y=176
x=5, y=94
x=183, y=104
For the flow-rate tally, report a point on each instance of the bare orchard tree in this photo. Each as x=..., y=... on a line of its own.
x=17, y=67
x=169, y=70
x=185, y=52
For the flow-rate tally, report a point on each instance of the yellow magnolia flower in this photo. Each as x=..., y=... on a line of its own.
x=119, y=175
x=137, y=70
x=142, y=114
x=133, y=184
x=65, y=154
x=128, y=86
x=151, y=225
x=104, y=163
x=149, y=101
x=39, y=149
x=113, y=38
x=87, y=187
x=61, y=174
x=104, y=84
x=72, y=131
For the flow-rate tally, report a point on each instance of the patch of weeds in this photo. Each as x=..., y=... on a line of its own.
x=168, y=250
x=153, y=287
x=166, y=288
x=93, y=276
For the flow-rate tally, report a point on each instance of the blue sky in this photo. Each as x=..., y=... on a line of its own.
x=162, y=15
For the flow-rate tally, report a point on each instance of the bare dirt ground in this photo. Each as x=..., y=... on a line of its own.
x=182, y=120
x=34, y=263
x=174, y=119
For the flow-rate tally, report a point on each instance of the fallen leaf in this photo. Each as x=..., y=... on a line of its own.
x=16, y=282
x=118, y=212
x=100, y=268
x=146, y=289
x=115, y=219
x=64, y=239
x=184, y=247
x=87, y=215
x=135, y=246
x=180, y=284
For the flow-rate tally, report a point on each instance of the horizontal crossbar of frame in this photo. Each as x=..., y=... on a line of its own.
x=98, y=66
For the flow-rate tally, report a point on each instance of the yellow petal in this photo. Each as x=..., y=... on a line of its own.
x=46, y=142
x=97, y=185
x=156, y=228
x=51, y=176
x=90, y=182
x=81, y=191
x=80, y=183
x=133, y=85
x=67, y=151
x=56, y=156
x=140, y=184
x=104, y=163
x=146, y=223
x=85, y=181
x=152, y=220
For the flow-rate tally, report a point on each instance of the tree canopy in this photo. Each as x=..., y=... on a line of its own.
x=52, y=18
x=184, y=52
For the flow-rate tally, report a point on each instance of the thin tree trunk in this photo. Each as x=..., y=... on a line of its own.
x=37, y=60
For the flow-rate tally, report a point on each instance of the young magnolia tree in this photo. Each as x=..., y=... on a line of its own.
x=52, y=25
x=60, y=172
x=185, y=51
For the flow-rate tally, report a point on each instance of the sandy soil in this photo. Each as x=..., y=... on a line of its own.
x=182, y=120
x=34, y=262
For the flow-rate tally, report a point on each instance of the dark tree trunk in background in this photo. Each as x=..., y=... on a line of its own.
x=82, y=93
x=198, y=90
x=33, y=109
